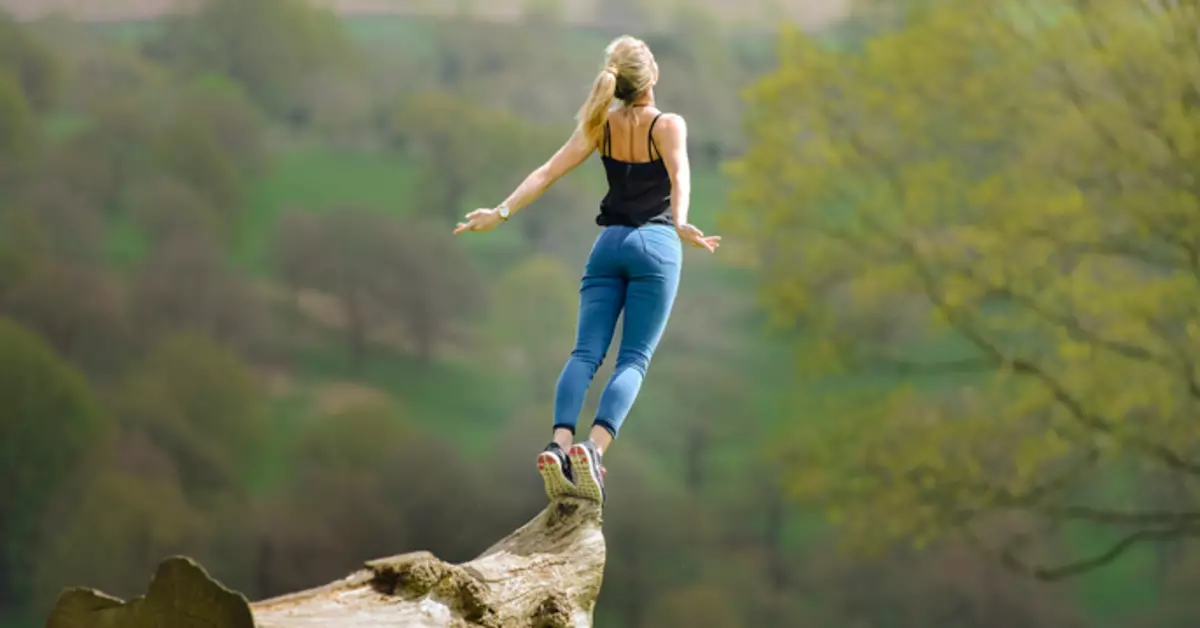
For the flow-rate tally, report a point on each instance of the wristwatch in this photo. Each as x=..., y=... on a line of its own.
x=503, y=210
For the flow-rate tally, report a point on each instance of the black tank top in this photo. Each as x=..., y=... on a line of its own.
x=638, y=193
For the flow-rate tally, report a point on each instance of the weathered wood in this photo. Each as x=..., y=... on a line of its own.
x=546, y=574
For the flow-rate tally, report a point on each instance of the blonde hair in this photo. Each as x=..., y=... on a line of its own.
x=629, y=71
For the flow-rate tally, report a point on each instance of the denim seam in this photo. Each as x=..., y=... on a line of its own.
x=652, y=251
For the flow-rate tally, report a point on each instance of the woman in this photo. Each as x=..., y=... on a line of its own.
x=634, y=264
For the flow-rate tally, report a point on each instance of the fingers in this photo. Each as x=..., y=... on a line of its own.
x=472, y=223
x=709, y=243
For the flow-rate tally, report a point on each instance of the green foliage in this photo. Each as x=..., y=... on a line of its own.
x=120, y=528
x=700, y=606
x=201, y=404
x=382, y=272
x=532, y=321
x=16, y=120
x=90, y=68
x=35, y=66
x=269, y=47
x=49, y=425
x=23, y=247
x=456, y=143
x=187, y=150
x=994, y=221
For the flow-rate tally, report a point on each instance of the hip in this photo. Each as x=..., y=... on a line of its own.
x=634, y=249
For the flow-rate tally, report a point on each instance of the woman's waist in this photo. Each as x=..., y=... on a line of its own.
x=653, y=201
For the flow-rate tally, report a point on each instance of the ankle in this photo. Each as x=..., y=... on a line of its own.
x=563, y=438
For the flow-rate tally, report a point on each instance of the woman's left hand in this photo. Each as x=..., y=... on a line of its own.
x=479, y=220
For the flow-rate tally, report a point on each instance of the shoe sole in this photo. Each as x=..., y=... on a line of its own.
x=586, y=484
x=556, y=481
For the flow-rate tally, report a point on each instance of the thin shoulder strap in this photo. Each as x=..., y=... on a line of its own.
x=606, y=147
x=651, y=147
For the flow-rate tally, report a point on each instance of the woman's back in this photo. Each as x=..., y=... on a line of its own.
x=629, y=134
x=639, y=184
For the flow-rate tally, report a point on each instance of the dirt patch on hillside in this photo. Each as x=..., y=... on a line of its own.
x=809, y=13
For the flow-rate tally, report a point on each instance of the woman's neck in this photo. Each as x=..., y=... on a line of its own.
x=645, y=100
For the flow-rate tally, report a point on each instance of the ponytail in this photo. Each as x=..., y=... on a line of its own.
x=594, y=113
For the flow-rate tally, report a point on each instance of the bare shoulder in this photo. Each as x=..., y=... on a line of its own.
x=671, y=126
x=672, y=122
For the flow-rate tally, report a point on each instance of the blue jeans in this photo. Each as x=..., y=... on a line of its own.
x=635, y=269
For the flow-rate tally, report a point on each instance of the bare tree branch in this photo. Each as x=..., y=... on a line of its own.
x=1008, y=558
x=1119, y=548
x=1098, y=515
x=1075, y=407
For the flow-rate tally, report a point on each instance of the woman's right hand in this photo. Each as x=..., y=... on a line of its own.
x=693, y=236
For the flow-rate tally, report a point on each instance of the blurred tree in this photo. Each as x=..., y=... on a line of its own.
x=988, y=214
x=354, y=480
x=202, y=405
x=102, y=160
x=72, y=226
x=270, y=47
x=187, y=150
x=464, y=150
x=23, y=247
x=506, y=65
x=49, y=424
x=951, y=585
x=166, y=209
x=470, y=51
x=441, y=287
x=112, y=533
x=338, y=483
x=560, y=221
x=700, y=79
x=1175, y=607
x=228, y=115
x=17, y=124
x=92, y=67
x=187, y=283
x=697, y=605
x=79, y=310
x=34, y=64
x=382, y=271
x=698, y=394
x=532, y=321
x=342, y=106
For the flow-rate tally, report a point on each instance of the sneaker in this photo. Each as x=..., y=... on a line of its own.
x=555, y=467
x=590, y=481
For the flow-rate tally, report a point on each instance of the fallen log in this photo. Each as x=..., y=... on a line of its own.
x=546, y=574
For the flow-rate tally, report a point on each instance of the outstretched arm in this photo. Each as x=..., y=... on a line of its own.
x=571, y=154
x=577, y=149
x=671, y=135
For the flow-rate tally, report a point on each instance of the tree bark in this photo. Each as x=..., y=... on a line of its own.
x=546, y=574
